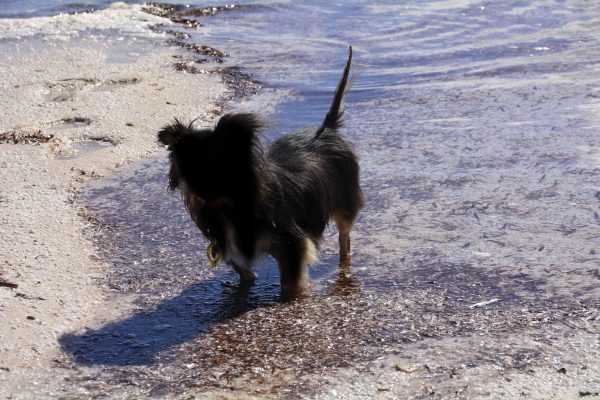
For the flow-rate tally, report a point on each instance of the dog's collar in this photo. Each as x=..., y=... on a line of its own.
x=214, y=253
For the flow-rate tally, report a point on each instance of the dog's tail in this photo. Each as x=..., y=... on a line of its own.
x=333, y=119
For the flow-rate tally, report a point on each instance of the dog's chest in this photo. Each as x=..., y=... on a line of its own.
x=212, y=219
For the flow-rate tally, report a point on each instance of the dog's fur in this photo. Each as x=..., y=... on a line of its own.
x=250, y=201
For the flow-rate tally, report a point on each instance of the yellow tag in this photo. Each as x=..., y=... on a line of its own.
x=209, y=254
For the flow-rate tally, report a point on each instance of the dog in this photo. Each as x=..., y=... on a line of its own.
x=248, y=200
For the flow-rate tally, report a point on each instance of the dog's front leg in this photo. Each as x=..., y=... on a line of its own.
x=247, y=277
x=240, y=261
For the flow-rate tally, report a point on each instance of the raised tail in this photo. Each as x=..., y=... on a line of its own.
x=333, y=119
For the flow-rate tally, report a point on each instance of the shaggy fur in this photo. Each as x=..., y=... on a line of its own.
x=250, y=201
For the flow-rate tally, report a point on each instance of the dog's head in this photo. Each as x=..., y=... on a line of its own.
x=213, y=163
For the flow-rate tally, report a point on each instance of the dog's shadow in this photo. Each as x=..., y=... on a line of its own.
x=139, y=338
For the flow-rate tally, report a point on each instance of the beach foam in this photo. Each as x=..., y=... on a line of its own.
x=128, y=19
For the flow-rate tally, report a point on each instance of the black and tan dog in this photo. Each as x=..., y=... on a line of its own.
x=247, y=200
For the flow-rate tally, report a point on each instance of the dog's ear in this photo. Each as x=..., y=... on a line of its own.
x=238, y=128
x=172, y=133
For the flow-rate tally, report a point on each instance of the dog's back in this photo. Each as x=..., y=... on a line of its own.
x=320, y=172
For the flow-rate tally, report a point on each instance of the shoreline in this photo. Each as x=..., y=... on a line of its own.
x=71, y=116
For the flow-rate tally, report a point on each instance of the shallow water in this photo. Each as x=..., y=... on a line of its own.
x=477, y=131
x=474, y=122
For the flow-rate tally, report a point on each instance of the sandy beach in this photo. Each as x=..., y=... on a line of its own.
x=70, y=114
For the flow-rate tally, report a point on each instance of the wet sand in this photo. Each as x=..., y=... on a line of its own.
x=70, y=115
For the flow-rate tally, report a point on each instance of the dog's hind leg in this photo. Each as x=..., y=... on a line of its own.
x=344, y=226
x=344, y=239
x=294, y=255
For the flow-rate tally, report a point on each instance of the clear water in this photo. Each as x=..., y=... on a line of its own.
x=477, y=127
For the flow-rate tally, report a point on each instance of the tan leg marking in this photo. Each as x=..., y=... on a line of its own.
x=344, y=227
